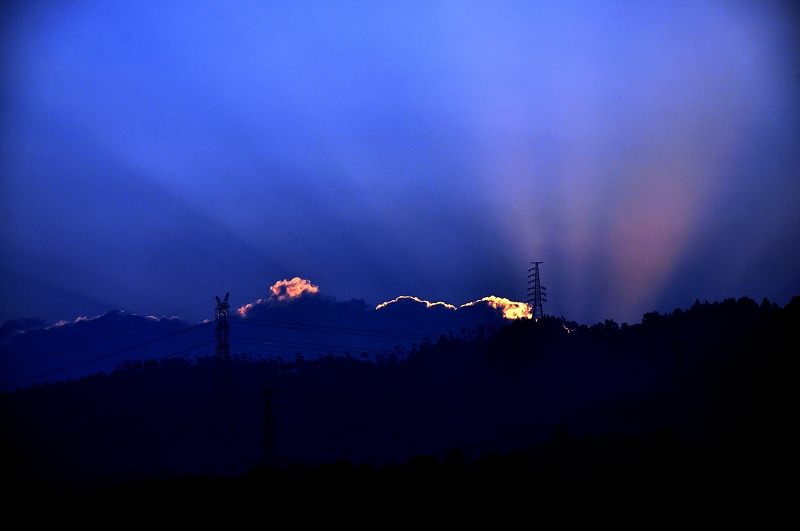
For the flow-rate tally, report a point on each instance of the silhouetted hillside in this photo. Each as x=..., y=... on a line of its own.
x=716, y=375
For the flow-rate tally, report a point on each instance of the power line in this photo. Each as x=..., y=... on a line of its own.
x=74, y=346
x=192, y=307
x=314, y=309
x=514, y=285
x=185, y=350
x=224, y=334
x=330, y=329
x=104, y=356
x=340, y=312
x=295, y=345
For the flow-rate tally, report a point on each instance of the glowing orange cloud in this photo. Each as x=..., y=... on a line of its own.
x=289, y=289
x=428, y=304
x=511, y=309
x=282, y=290
x=246, y=308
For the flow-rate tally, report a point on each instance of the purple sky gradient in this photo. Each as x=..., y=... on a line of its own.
x=154, y=156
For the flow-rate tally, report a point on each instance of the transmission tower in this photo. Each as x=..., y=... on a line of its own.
x=223, y=350
x=537, y=294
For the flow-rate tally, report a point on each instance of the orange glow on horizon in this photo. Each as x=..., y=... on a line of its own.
x=281, y=291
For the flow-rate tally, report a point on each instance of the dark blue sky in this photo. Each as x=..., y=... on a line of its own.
x=155, y=156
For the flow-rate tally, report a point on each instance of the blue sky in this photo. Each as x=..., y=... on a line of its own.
x=156, y=155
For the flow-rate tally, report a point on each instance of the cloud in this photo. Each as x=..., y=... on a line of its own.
x=289, y=289
x=63, y=322
x=428, y=304
x=511, y=309
x=10, y=328
x=283, y=290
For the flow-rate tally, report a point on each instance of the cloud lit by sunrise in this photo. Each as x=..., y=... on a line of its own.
x=289, y=289
x=511, y=309
x=63, y=322
x=428, y=304
x=283, y=290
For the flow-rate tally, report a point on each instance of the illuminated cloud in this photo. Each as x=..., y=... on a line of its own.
x=84, y=318
x=289, y=289
x=283, y=290
x=63, y=322
x=428, y=304
x=511, y=309
x=246, y=308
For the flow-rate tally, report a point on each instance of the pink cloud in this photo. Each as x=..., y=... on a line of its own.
x=283, y=290
x=290, y=289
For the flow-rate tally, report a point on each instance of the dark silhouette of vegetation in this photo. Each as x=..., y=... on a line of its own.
x=537, y=414
x=580, y=479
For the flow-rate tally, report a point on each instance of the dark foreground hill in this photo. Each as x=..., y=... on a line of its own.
x=608, y=477
x=716, y=377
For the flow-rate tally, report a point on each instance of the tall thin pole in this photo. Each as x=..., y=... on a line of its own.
x=223, y=330
x=537, y=294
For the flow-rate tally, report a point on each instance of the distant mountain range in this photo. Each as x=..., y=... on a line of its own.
x=294, y=318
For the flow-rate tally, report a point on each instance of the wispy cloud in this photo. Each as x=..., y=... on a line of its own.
x=428, y=304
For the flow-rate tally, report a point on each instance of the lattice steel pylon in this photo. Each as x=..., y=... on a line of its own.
x=223, y=330
x=537, y=294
